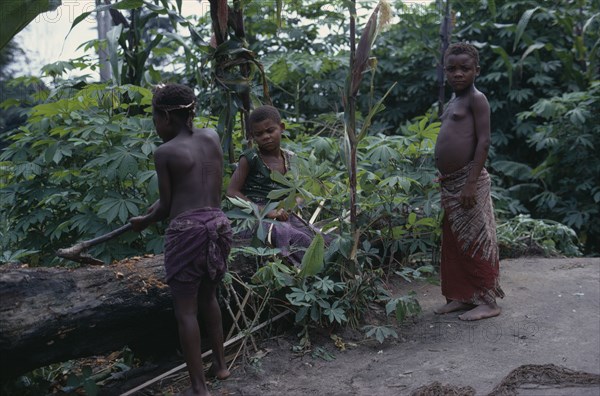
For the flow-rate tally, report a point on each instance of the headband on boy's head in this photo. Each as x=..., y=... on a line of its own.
x=169, y=107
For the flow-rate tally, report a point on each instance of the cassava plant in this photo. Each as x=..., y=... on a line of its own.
x=79, y=168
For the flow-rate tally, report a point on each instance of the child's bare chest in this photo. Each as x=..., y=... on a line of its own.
x=457, y=110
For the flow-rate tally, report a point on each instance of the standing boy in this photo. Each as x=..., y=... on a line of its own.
x=189, y=165
x=469, y=263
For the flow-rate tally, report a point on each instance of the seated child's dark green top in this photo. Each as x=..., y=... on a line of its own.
x=258, y=183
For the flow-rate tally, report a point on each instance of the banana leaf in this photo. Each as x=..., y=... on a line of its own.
x=15, y=15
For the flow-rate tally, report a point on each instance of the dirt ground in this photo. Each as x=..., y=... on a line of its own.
x=551, y=315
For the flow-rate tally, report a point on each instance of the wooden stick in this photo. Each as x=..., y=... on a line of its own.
x=235, y=320
x=317, y=211
x=74, y=253
x=237, y=316
x=205, y=354
x=240, y=349
x=240, y=310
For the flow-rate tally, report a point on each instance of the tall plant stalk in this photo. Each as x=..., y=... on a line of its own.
x=359, y=59
x=350, y=118
x=232, y=52
x=445, y=32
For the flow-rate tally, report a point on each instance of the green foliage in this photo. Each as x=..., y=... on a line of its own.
x=252, y=217
x=312, y=261
x=82, y=164
x=526, y=68
x=522, y=235
x=398, y=222
x=409, y=274
x=523, y=64
x=274, y=275
x=398, y=199
x=407, y=54
x=403, y=306
x=323, y=299
x=567, y=185
x=321, y=353
x=320, y=301
x=84, y=376
x=80, y=168
x=380, y=333
x=132, y=39
x=305, y=68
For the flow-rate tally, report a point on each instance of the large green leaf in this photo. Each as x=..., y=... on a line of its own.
x=15, y=15
x=128, y=4
x=112, y=38
x=312, y=262
x=522, y=25
x=372, y=112
x=506, y=60
x=514, y=169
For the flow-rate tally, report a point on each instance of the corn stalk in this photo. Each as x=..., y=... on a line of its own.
x=359, y=60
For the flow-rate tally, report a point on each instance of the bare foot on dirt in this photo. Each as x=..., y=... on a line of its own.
x=481, y=312
x=452, y=306
x=218, y=373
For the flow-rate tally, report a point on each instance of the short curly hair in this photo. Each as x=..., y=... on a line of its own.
x=174, y=98
x=265, y=112
x=463, y=48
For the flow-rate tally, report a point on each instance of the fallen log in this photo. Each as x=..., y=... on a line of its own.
x=50, y=315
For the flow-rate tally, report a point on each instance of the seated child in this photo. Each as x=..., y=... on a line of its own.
x=252, y=181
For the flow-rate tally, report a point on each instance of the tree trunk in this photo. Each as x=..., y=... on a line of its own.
x=51, y=315
x=55, y=314
x=104, y=22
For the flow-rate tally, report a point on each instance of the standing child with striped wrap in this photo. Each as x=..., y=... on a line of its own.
x=189, y=166
x=469, y=263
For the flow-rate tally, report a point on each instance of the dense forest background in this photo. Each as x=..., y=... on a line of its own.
x=76, y=156
x=358, y=85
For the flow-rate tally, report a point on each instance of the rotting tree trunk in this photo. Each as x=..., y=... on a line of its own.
x=50, y=315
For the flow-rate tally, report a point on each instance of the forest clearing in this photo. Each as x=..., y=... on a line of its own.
x=549, y=325
x=550, y=317
x=366, y=97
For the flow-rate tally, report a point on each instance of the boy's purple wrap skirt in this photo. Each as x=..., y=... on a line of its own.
x=197, y=244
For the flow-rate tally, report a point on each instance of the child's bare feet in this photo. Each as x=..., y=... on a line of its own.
x=452, y=306
x=481, y=312
x=218, y=373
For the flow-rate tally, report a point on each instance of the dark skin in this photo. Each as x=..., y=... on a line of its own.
x=267, y=135
x=189, y=166
x=464, y=137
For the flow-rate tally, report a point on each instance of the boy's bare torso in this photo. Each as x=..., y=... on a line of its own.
x=195, y=170
x=457, y=140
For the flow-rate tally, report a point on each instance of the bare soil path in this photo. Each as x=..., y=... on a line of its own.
x=551, y=315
